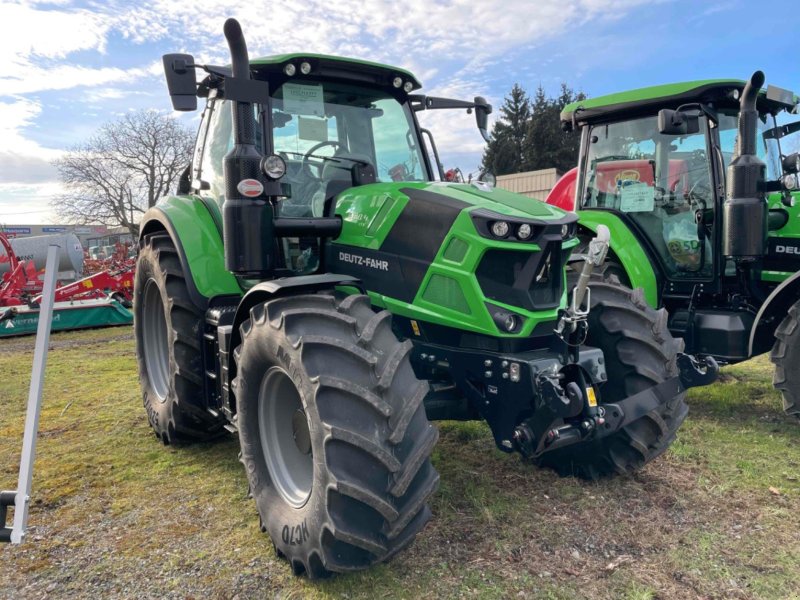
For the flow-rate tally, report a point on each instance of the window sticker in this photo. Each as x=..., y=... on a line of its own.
x=637, y=197
x=309, y=128
x=303, y=99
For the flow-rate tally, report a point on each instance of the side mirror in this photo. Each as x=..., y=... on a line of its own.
x=791, y=163
x=488, y=178
x=181, y=81
x=482, y=111
x=676, y=122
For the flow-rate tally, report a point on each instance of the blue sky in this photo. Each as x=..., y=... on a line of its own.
x=69, y=67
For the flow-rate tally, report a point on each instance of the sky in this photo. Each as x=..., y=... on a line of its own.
x=68, y=67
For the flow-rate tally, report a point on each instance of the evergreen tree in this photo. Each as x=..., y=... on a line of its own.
x=504, y=154
x=528, y=135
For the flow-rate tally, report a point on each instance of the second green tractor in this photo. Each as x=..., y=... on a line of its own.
x=699, y=189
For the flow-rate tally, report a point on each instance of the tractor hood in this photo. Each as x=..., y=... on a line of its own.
x=459, y=195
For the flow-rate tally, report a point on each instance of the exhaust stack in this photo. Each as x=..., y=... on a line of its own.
x=247, y=214
x=744, y=212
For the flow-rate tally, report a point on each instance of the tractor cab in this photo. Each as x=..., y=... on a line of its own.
x=325, y=124
x=656, y=158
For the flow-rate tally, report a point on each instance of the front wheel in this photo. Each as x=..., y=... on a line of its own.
x=333, y=432
x=785, y=356
x=168, y=327
x=639, y=353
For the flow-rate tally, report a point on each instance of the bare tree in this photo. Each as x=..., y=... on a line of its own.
x=123, y=170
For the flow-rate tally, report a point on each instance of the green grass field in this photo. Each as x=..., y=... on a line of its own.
x=116, y=514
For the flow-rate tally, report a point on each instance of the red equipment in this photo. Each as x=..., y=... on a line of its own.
x=22, y=284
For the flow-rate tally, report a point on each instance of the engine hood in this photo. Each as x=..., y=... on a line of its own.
x=471, y=196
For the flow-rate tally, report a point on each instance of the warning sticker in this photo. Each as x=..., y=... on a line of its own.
x=637, y=197
x=303, y=99
x=590, y=396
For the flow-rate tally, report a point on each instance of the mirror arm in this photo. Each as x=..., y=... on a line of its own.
x=711, y=115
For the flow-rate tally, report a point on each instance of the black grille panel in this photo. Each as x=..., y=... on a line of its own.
x=529, y=280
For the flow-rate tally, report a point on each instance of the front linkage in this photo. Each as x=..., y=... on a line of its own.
x=538, y=435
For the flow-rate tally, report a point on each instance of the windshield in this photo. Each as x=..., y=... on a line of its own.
x=767, y=150
x=659, y=181
x=323, y=130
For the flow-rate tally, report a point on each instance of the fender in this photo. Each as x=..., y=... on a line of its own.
x=196, y=235
x=267, y=290
x=628, y=249
x=762, y=335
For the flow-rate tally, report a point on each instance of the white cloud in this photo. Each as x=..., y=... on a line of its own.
x=27, y=204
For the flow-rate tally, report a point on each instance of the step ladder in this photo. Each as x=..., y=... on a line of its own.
x=20, y=498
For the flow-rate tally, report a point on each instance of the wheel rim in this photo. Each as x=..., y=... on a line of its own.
x=285, y=437
x=155, y=341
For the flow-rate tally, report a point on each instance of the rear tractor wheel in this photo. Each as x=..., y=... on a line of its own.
x=639, y=353
x=786, y=357
x=333, y=432
x=167, y=326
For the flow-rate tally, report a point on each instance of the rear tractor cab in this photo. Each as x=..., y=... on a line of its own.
x=318, y=289
x=700, y=198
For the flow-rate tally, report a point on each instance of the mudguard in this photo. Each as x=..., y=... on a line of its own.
x=196, y=235
x=628, y=250
x=762, y=335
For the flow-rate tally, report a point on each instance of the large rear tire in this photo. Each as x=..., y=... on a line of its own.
x=168, y=327
x=639, y=353
x=785, y=356
x=333, y=432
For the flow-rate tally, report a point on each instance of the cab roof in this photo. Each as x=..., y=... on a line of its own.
x=336, y=67
x=669, y=95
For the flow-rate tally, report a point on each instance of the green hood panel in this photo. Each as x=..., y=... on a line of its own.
x=419, y=251
x=369, y=211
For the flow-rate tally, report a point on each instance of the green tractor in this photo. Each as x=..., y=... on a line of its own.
x=701, y=204
x=314, y=290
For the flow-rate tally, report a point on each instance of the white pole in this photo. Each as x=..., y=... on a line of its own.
x=22, y=500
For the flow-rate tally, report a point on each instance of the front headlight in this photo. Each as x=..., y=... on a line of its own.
x=273, y=166
x=500, y=229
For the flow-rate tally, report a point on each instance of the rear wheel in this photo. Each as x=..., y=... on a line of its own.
x=786, y=357
x=639, y=353
x=167, y=327
x=333, y=432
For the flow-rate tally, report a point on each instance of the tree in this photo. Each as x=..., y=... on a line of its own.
x=123, y=170
x=505, y=152
x=535, y=141
x=549, y=145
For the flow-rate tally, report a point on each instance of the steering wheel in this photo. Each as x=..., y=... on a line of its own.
x=318, y=164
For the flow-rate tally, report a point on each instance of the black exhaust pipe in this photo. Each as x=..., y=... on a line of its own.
x=744, y=212
x=247, y=214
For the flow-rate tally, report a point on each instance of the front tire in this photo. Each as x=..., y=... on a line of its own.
x=639, y=353
x=167, y=326
x=333, y=432
x=785, y=356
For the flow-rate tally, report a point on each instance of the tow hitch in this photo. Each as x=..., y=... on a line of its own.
x=612, y=417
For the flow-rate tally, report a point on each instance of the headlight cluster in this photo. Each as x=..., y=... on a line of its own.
x=502, y=229
x=492, y=225
x=399, y=83
x=290, y=69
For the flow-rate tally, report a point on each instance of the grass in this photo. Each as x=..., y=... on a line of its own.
x=116, y=514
